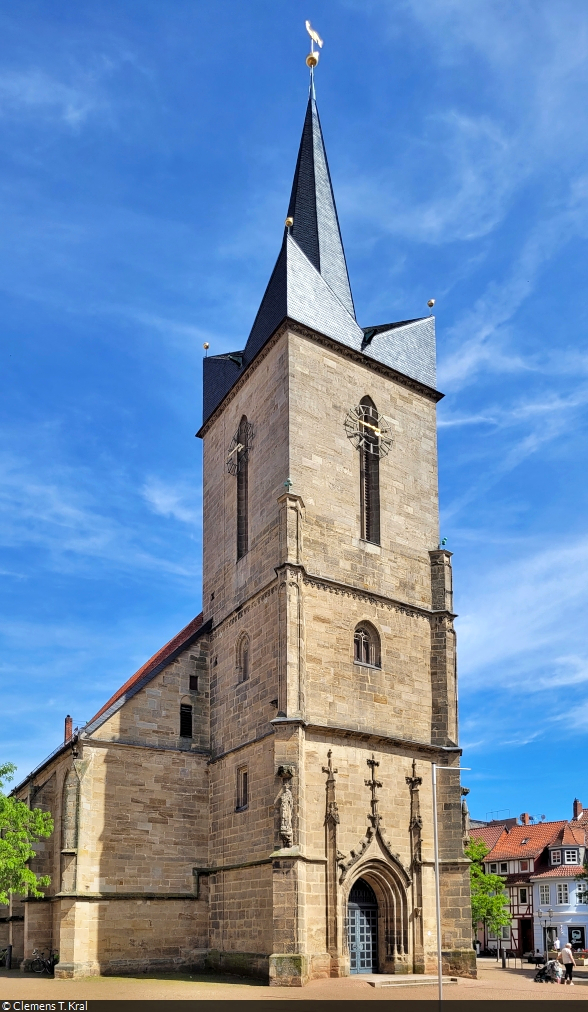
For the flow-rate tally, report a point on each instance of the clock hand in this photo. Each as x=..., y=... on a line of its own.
x=235, y=449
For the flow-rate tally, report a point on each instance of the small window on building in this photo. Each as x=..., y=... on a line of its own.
x=570, y=856
x=544, y=895
x=523, y=896
x=193, y=683
x=185, y=721
x=505, y=932
x=504, y=868
x=242, y=787
x=493, y=869
x=582, y=892
x=524, y=865
x=243, y=659
x=556, y=856
x=366, y=645
x=562, y=892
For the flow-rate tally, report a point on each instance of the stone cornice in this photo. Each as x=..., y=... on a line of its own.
x=374, y=737
x=370, y=363
x=348, y=590
x=100, y=897
x=237, y=748
x=341, y=349
x=333, y=587
x=106, y=743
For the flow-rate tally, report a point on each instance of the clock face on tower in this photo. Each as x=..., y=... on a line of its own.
x=239, y=448
x=368, y=430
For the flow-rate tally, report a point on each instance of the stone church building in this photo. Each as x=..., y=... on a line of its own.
x=257, y=797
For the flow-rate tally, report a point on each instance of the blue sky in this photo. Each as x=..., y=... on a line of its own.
x=147, y=152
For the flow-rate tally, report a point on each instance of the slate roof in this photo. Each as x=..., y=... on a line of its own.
x=152, y=667
x=310, y=285
x=510, y=843
x=312, y=206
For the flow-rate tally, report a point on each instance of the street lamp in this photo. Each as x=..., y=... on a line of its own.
x=454, y=769
x=545, y=917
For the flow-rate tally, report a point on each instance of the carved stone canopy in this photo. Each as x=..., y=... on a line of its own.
x=375, y=830
x=286, y=772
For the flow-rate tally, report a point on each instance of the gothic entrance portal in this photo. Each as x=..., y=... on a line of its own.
x=362, y=920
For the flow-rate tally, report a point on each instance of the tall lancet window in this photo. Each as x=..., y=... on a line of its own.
x=369, y=471
x=243, y=488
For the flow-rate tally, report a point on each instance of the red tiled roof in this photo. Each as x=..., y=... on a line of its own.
x=167, y=652
x=561, y=871
x=573, y=834
x=489, y=834
x=510, y=843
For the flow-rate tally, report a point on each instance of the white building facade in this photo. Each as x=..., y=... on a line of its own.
x=560, y=899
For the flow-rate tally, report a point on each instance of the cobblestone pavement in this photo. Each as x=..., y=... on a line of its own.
x=493, y=984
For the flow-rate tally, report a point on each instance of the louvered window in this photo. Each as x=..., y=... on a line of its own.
x=243, y=490
x=370, y=472
x=185, y=721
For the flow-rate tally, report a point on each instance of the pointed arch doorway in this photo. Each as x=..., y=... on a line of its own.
x=362, y=928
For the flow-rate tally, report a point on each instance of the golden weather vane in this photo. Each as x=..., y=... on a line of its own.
x=313, y=57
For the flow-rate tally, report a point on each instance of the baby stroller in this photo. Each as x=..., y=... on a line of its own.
x=551, y=973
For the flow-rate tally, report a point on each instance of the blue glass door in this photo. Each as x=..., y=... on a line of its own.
x=362, y=926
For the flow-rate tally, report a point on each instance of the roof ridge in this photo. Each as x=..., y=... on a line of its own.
x=148, y=670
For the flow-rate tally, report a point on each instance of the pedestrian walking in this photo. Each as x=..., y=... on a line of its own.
x=557, y=944
x=567, y=958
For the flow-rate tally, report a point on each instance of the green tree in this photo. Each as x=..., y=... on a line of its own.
x=490, y=902
x=20, y=828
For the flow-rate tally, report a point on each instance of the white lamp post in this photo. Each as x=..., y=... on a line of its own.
x=454, y=769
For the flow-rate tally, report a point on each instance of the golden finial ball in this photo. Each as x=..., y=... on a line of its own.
x=206, y=346
x=312, y=59
x=289, y=222
x=431, y=303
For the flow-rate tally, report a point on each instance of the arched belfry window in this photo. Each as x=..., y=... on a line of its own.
x=369, y=451
x=243, y=651
x=366, y=645
x=243, y=488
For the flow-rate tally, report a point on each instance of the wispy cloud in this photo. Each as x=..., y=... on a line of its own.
x=480, y=340
x=518, y=621
x=57, y=511
x=182, y=502
x=36, y=91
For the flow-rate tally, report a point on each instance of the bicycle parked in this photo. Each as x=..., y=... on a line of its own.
x=6, y=957
x=42, y=965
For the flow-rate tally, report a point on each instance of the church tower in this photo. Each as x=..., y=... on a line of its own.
x=257, y=797
x=331, y=643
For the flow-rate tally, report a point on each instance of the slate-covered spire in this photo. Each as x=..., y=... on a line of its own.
x=309, y=282
x=312, y=206
x=310, y=285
